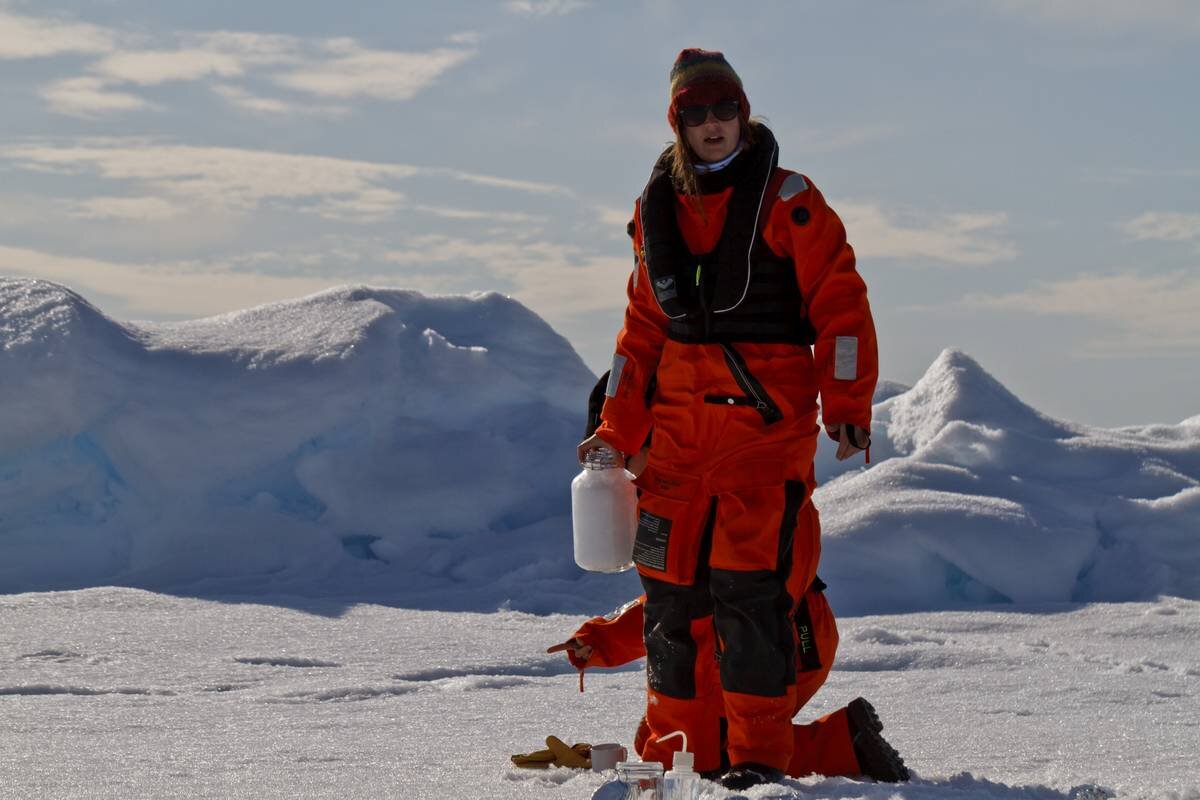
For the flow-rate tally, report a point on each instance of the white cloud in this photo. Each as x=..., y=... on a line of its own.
x=151, y=67
x=468, y=213
x=544, y=8
x=1147, y=313
x=89, y=97
x=37, y=37
x=250, y=48
x=1173, y=16
x=468, y=38
x=551, y=278
x=146, y=291
x=382, y=74
x=242, y=180
x=139, y=209
x=336, y=67
x=616, y=218
x=532, y=187
x=223, y=176
x=256, y=104
x=962, y=239
x=1163, y=226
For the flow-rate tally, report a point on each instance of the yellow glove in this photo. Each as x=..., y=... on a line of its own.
x=557, y=754
x=577, y=756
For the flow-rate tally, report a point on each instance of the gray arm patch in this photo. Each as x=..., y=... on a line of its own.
x=845, y=358
x=614, y=375
x=793, y=185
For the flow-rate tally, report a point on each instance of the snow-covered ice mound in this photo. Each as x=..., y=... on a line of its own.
x=976, y=497
x=359, y=440
x=380, y=444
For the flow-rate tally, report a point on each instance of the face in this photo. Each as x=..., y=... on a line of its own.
x=713, y=139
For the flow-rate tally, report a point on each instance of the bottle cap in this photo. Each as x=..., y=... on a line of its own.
x=600, y=458
x=683, y=761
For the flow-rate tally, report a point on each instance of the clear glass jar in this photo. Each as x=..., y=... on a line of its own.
x=642, y=779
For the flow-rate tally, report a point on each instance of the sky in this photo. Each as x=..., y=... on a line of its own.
x=1019, y=178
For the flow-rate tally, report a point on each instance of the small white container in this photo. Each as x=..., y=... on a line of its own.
x=603, y=514
x=681, y=782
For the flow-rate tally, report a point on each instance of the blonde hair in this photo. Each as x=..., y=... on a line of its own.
x=683, y=160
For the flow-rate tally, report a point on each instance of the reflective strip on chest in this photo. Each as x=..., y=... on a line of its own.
x=845, y=358
x=614, y=375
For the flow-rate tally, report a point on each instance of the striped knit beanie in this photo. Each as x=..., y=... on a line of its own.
x=700, y=77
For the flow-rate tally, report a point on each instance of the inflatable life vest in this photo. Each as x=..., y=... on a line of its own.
x=740, y=291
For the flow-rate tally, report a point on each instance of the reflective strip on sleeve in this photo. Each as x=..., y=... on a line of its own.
x=845, y=358
x=614, y=375
x=793, y=185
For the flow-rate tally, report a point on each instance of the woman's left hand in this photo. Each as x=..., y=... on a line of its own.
x=850, y=438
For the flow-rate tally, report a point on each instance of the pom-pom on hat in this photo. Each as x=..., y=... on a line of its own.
x=700, y=77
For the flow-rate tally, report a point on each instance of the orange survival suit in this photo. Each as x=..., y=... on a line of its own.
x=744, y=305
x=822, y=747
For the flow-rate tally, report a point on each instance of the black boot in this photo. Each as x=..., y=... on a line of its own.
x=747, y=774
x=876, y=758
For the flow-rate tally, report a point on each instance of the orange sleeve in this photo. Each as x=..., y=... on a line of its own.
x=626, y=419
x=846, y=354
x=615, y=639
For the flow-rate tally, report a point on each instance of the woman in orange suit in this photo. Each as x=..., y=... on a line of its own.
x=744, y=308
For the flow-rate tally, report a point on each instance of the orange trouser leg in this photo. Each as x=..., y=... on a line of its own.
x=816, y=643
x=683, y=692
x=751, y=560
x=823, y=747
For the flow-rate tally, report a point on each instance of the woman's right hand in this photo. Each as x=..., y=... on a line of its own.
x=594, y=442
x=579, y=652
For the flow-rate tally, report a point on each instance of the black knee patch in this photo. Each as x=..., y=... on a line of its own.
x=752, y=612
x=670, y=649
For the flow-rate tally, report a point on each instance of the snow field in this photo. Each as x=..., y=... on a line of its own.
x=316, y=499
x=121, y=693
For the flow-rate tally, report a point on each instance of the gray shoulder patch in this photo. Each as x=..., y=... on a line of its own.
x=793, y=185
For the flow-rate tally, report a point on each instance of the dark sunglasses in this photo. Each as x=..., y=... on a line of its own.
x=725, y=110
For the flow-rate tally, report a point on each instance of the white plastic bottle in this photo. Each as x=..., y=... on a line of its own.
x=681, y=782
x=603, y=513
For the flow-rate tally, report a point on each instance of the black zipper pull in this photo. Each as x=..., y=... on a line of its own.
x=763, y=403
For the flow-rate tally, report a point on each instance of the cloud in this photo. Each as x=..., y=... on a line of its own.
x=333, y=67
x=1163, y=226
x=155, y=292
x=467, y=213
x=217, y=176
x=381, y=74
x=1145, y=313
x=257, y=104
x=147, y=209
x=37, y=37
x=544, y=8
x=152, y=67
x=616, y=218
x=468, y=38
x=532, y=187
x=89, y=97
x=552, y=278
x=962, y=239
x=1172, y=16
x=242, y=180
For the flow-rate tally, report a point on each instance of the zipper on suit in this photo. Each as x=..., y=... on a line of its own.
x=763, y=403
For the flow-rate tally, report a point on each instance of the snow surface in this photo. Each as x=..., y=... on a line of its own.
x=121, y=693
x=321, y=495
